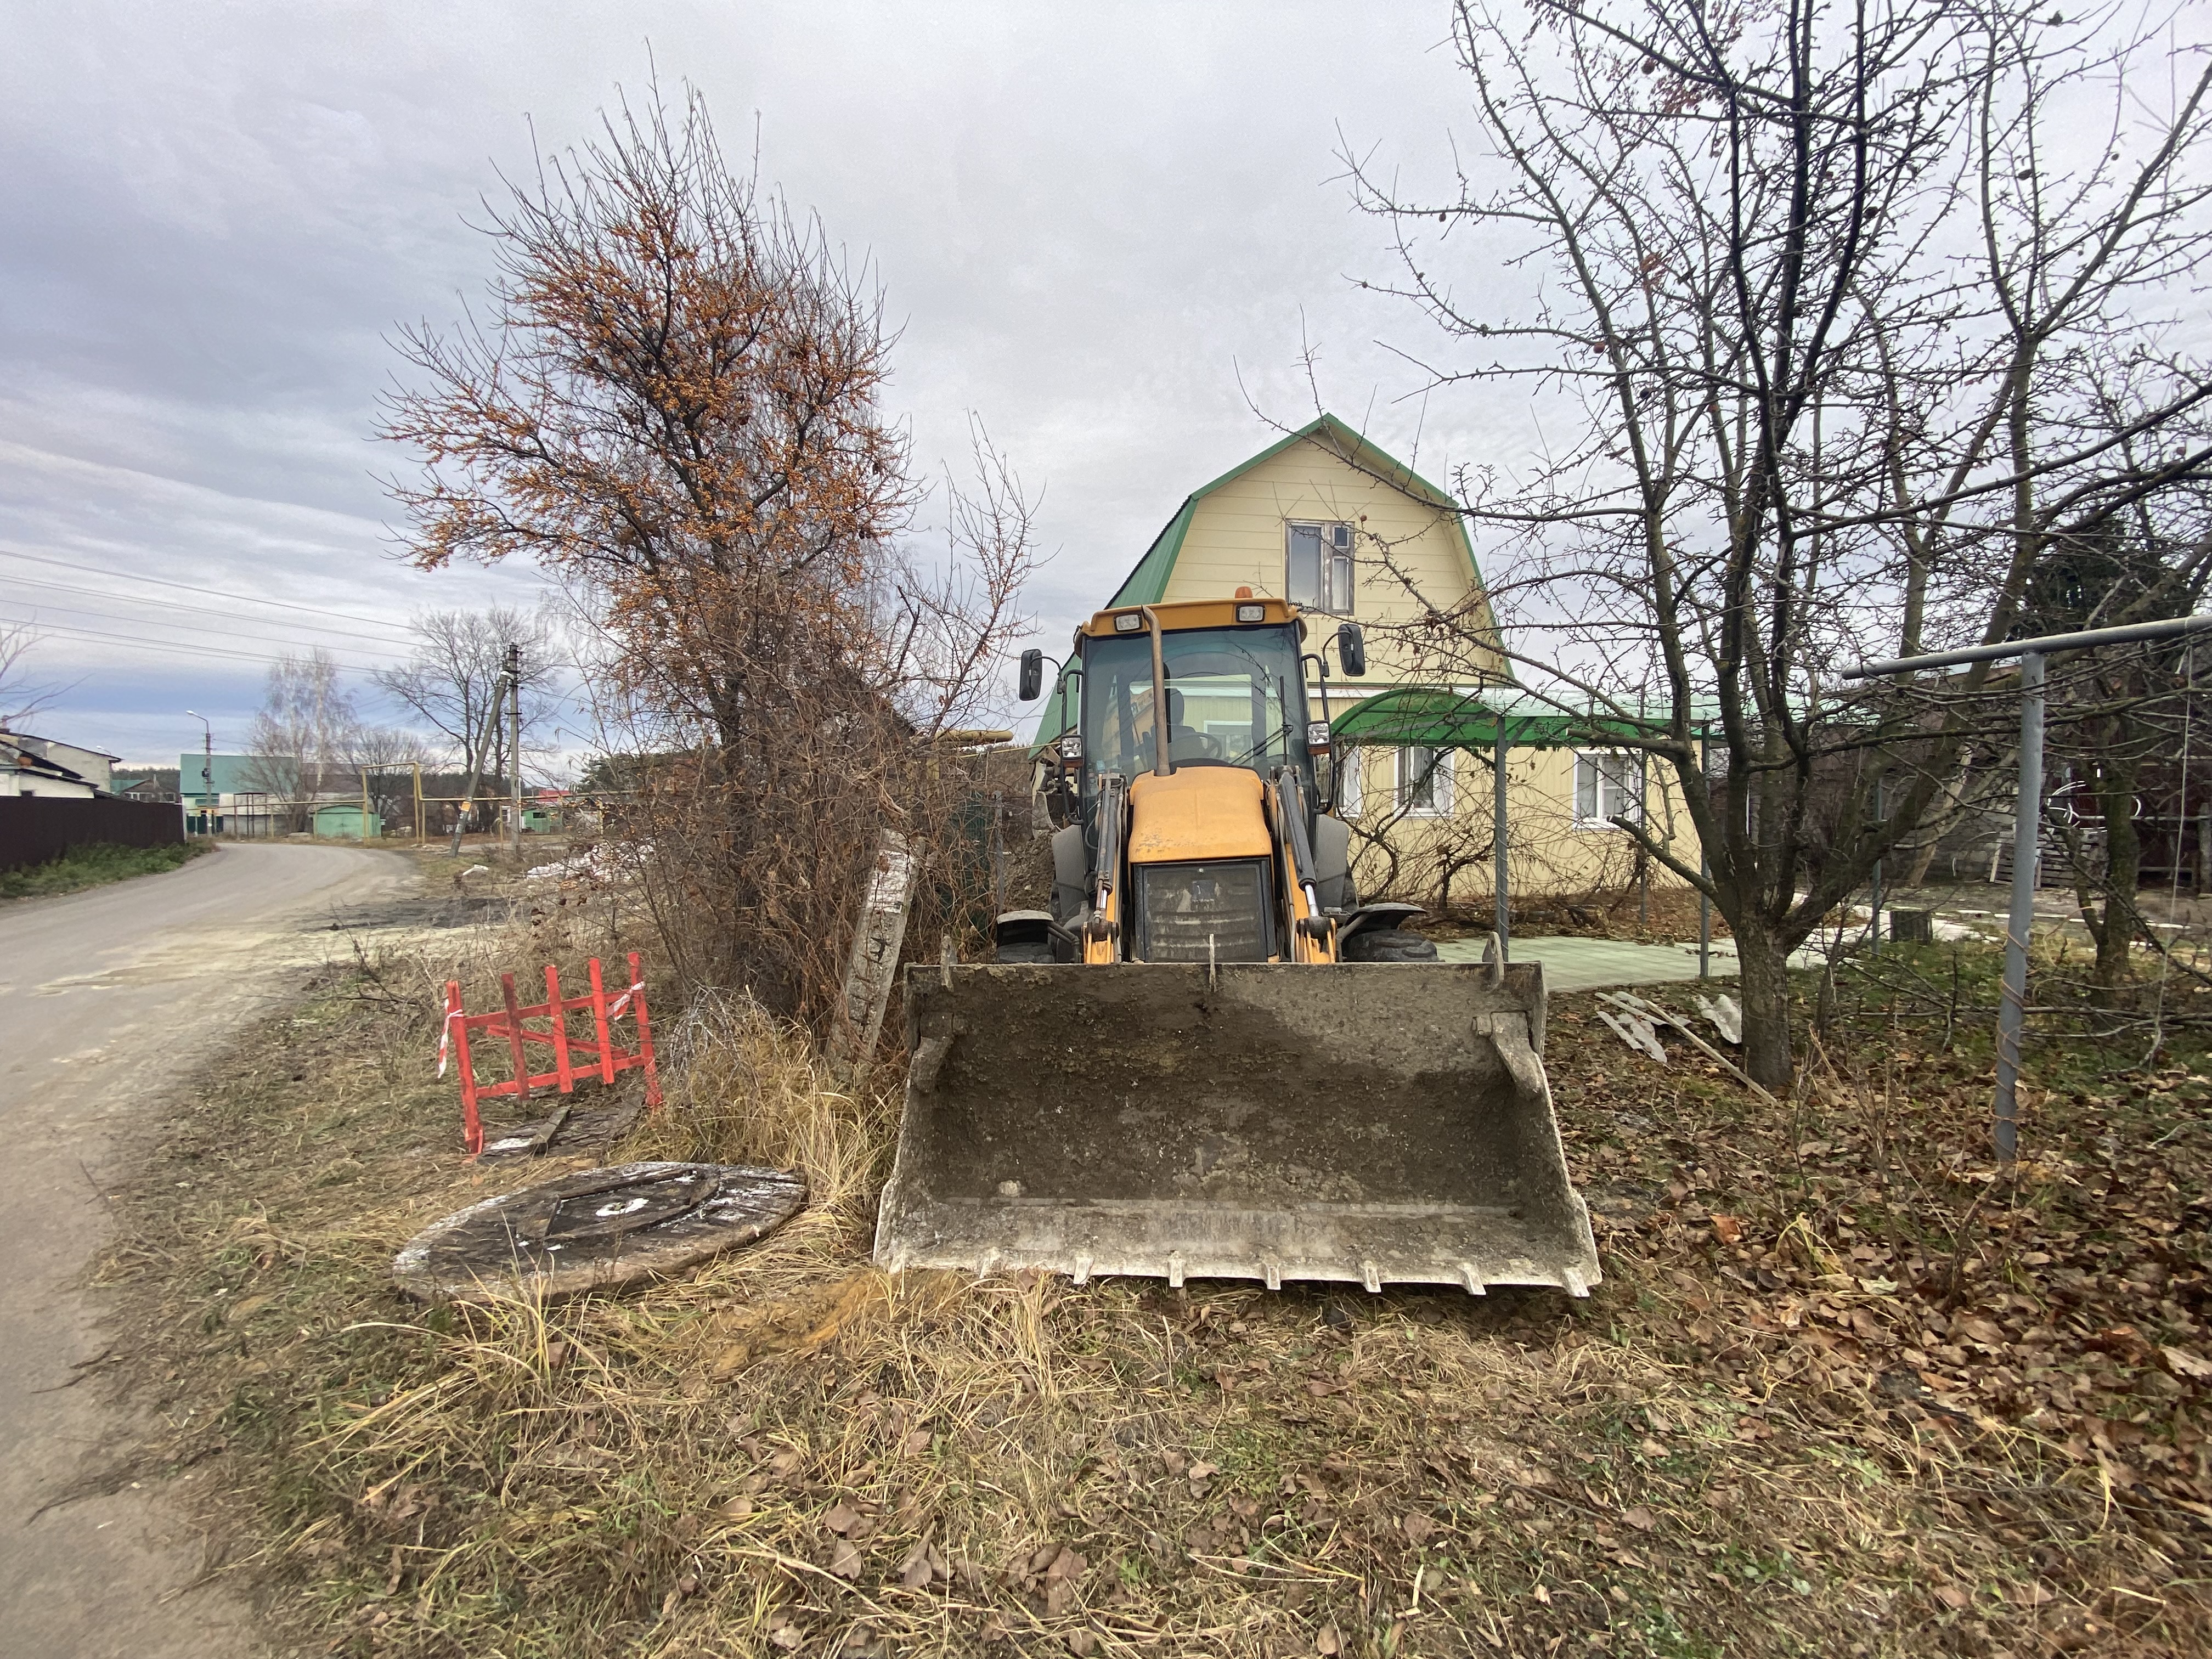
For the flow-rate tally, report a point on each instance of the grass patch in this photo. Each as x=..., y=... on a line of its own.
x=1842, y=1391
x=93, y=866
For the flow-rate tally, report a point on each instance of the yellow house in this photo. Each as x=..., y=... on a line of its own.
x=1334, y=524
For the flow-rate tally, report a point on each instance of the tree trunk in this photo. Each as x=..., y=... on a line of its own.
x=2116, y=804
x=1764, y=985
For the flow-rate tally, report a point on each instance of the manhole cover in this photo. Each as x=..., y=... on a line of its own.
x=596, y=1229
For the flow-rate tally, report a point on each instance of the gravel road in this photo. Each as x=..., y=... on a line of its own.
x=107, y=998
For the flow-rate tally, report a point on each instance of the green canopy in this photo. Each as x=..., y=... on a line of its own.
x=1438, y=717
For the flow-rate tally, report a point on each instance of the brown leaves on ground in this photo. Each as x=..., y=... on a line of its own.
x=1727, y=1449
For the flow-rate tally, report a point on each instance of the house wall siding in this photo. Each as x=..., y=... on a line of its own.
x=1237, y=539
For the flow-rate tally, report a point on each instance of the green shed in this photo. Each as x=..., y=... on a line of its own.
x=345, y=821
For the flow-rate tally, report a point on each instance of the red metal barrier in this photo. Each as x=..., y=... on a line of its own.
x=600, y=1055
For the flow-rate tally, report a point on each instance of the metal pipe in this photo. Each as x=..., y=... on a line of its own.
x=2028, y=823
x=2042, y=644
x=1163, y=765
x=1497, y=840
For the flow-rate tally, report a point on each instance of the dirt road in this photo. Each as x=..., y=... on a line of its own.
x=107, y=997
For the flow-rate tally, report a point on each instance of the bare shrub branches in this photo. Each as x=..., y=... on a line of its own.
x=1835, y=309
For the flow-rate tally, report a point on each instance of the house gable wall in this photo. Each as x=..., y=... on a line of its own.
x=1236, y=538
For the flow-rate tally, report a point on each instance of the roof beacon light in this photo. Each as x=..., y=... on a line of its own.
x=1251, y=613
x=1129, y=621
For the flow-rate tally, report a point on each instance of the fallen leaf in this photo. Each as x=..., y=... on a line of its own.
x=1727, y=1229
x=1203, y=1470
x=1543, y=1595
x=915, y=1571
x=738, y=1508
x=841, y=1518
x=1418, y=1528
x=787, y=1636
x=2182, y=1363
x=1328, y=1641
x=1066, y=1564
x=845, y=1559
x=915, y=1444
x=1953, y=1597
x=1640, y=1517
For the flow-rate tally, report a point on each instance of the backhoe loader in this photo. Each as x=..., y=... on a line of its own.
x=1209, y=1060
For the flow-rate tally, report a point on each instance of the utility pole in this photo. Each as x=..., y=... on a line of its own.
x=514, y=739
x=207, y=774
x=476, y=760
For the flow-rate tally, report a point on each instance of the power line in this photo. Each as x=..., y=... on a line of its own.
x=231, y=633
x=211, y=593
x=164, y=646
x=167, y=605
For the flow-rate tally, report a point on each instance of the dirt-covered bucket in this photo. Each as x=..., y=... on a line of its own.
x=1368, y=1124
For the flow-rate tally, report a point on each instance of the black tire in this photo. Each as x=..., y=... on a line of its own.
x=1039, y=952
x=1388, y=945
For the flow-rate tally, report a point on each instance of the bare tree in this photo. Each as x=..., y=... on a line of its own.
x=455, y=678
x=673, y=406
x=1821, y=296
x=305, y=733
x=22, y=698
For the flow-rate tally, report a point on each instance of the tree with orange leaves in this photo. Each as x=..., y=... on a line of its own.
x=673, y=404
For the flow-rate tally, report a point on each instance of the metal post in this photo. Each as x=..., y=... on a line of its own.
x=1497, y=842
x=514, y=742
x=364, y=806
x=2028, y=821
x=419, y=833
x=2028, y=824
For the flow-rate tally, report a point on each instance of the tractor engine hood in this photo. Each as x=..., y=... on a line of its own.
x=1198, y=813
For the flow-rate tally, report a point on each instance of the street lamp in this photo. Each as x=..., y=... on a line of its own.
x=207, y=773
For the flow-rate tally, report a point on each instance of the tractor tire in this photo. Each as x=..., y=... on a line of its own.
x=1388, y=945
x=1039, y=952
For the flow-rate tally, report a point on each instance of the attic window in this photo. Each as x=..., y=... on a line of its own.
x=1319, y=576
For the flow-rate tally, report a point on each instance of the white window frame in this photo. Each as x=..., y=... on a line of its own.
x=1594, y=762
x=1351, y=780
x=1440, y=781
x=1339, y=572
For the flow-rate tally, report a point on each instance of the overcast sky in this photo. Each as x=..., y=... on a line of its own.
x=1101, y=229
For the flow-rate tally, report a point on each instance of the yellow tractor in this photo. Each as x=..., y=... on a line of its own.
x=1209, y=1060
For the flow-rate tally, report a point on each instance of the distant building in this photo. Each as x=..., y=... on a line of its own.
x=226, y=794
x=345, y=821
x=26, y=769
x=92, y=766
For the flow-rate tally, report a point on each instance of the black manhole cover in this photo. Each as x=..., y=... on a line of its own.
x=596, y=1229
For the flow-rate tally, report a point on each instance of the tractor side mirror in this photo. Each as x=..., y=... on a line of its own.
x=1032, y=685
x=1352, y=649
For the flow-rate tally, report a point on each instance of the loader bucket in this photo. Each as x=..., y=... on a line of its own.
x=1372, y=1124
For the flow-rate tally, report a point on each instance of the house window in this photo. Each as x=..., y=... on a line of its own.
x=1319, y=568
x=1351, y=762
x=1424, y=780
x=1608, y=785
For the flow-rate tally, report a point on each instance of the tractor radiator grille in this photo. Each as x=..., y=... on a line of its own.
x=1181, y=906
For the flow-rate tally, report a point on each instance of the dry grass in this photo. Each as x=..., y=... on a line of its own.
x=790, y=1452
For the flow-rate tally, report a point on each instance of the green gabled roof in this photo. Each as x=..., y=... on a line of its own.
x=1148, y=583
